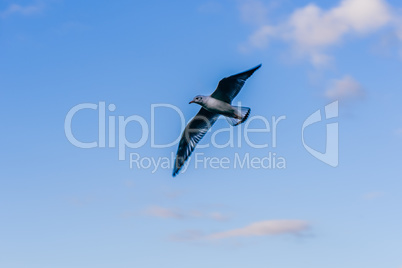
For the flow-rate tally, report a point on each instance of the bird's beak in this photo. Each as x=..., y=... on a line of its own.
x=191, y=102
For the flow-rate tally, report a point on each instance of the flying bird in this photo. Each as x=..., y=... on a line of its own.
x=218, y=103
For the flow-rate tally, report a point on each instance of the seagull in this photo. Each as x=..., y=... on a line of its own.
x=218, y=103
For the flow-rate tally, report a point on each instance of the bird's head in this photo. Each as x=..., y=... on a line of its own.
x=198, y=99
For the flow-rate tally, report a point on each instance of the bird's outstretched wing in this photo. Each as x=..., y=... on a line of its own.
x=192, y=134
x=229, y=87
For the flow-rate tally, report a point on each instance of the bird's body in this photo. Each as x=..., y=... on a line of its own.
x=218, y=103
x=220, y=107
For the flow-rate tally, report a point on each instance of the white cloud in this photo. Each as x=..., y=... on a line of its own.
x=311, y=27
x=22, y=10
x=260, y=38
x=311, y=30
x=346, y=88
x=263, y=228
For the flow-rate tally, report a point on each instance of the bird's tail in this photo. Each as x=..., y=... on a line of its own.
x=244, y=111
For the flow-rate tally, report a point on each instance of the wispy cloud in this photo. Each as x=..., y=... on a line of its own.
x=373, y=195
x=168, y=213
x=262, y=228
x=311, y=30
x=26, y=10
x=161, y=212
x=260, y=38
x=218, y=216
x=173, y=194
x=345, y=88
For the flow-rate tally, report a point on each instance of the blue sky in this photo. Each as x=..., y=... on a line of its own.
x=63, y=206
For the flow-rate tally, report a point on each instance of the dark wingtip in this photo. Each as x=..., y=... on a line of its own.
x=244, y=118
x=256, y=67
x=252, y=70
